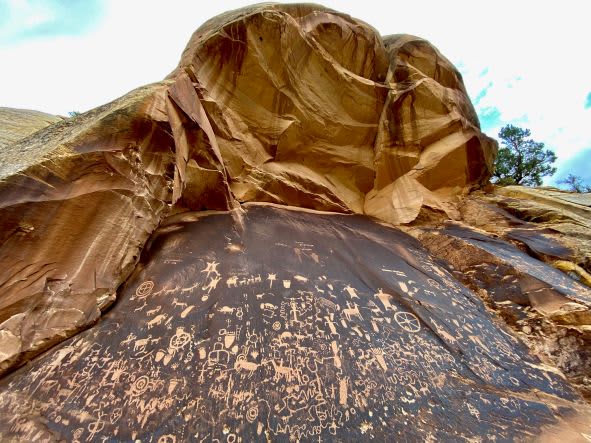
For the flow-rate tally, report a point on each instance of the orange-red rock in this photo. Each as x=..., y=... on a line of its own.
x=270, y=103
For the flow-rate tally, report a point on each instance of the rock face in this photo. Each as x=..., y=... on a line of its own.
x=505, y=248
x=298, y=326
x=270, y=103
x=16, y=124
x=78, y=200
x=312, y=108
x=243, y=321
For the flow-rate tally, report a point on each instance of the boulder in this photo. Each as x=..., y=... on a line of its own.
x=526, y=252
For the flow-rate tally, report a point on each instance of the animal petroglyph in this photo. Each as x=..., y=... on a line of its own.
x=232, y=282
x=351, y=291
x=352, y=311
x=156, y=320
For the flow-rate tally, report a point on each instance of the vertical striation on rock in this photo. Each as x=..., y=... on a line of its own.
x=291, y=104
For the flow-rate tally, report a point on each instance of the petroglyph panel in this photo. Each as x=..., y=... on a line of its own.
x=316, y=328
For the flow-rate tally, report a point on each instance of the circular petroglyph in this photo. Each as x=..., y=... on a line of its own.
x=276, y=326
x=144, y=289
x=95, y=427
x=140, y=385
x=407, y=321
x=252, y=414
x=180, y=339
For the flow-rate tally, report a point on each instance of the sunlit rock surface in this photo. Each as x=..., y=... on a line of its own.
x=294, y=325
x=78, y=201
x=290, y=104
x=313, y=108
x=526, y=253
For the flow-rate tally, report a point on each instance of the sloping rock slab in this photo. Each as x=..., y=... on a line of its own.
x=539, y=242
x=298, y=325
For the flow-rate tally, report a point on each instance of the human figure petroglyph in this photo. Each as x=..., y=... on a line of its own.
x=212, y=284
x=385, y=300
x=130, y=337
x=351, y=291
x=211, y=268
x=331, y=324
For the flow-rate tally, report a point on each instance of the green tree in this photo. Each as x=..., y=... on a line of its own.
x=575, y=183
x=521, y=160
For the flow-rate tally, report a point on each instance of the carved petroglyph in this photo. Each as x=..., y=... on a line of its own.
x=211, y=268
x=144, y=289
x=352, y=311
x=407, y=321
x=280, y=354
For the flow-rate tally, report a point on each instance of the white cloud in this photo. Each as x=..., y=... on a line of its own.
x=536, y=54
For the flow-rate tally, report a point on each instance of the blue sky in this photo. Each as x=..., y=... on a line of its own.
x=523, y=62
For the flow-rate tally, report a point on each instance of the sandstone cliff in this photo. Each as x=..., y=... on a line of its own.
x=271, y=103
x=242, y=311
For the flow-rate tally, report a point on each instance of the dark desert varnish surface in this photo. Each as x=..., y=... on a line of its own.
x=296, y=325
